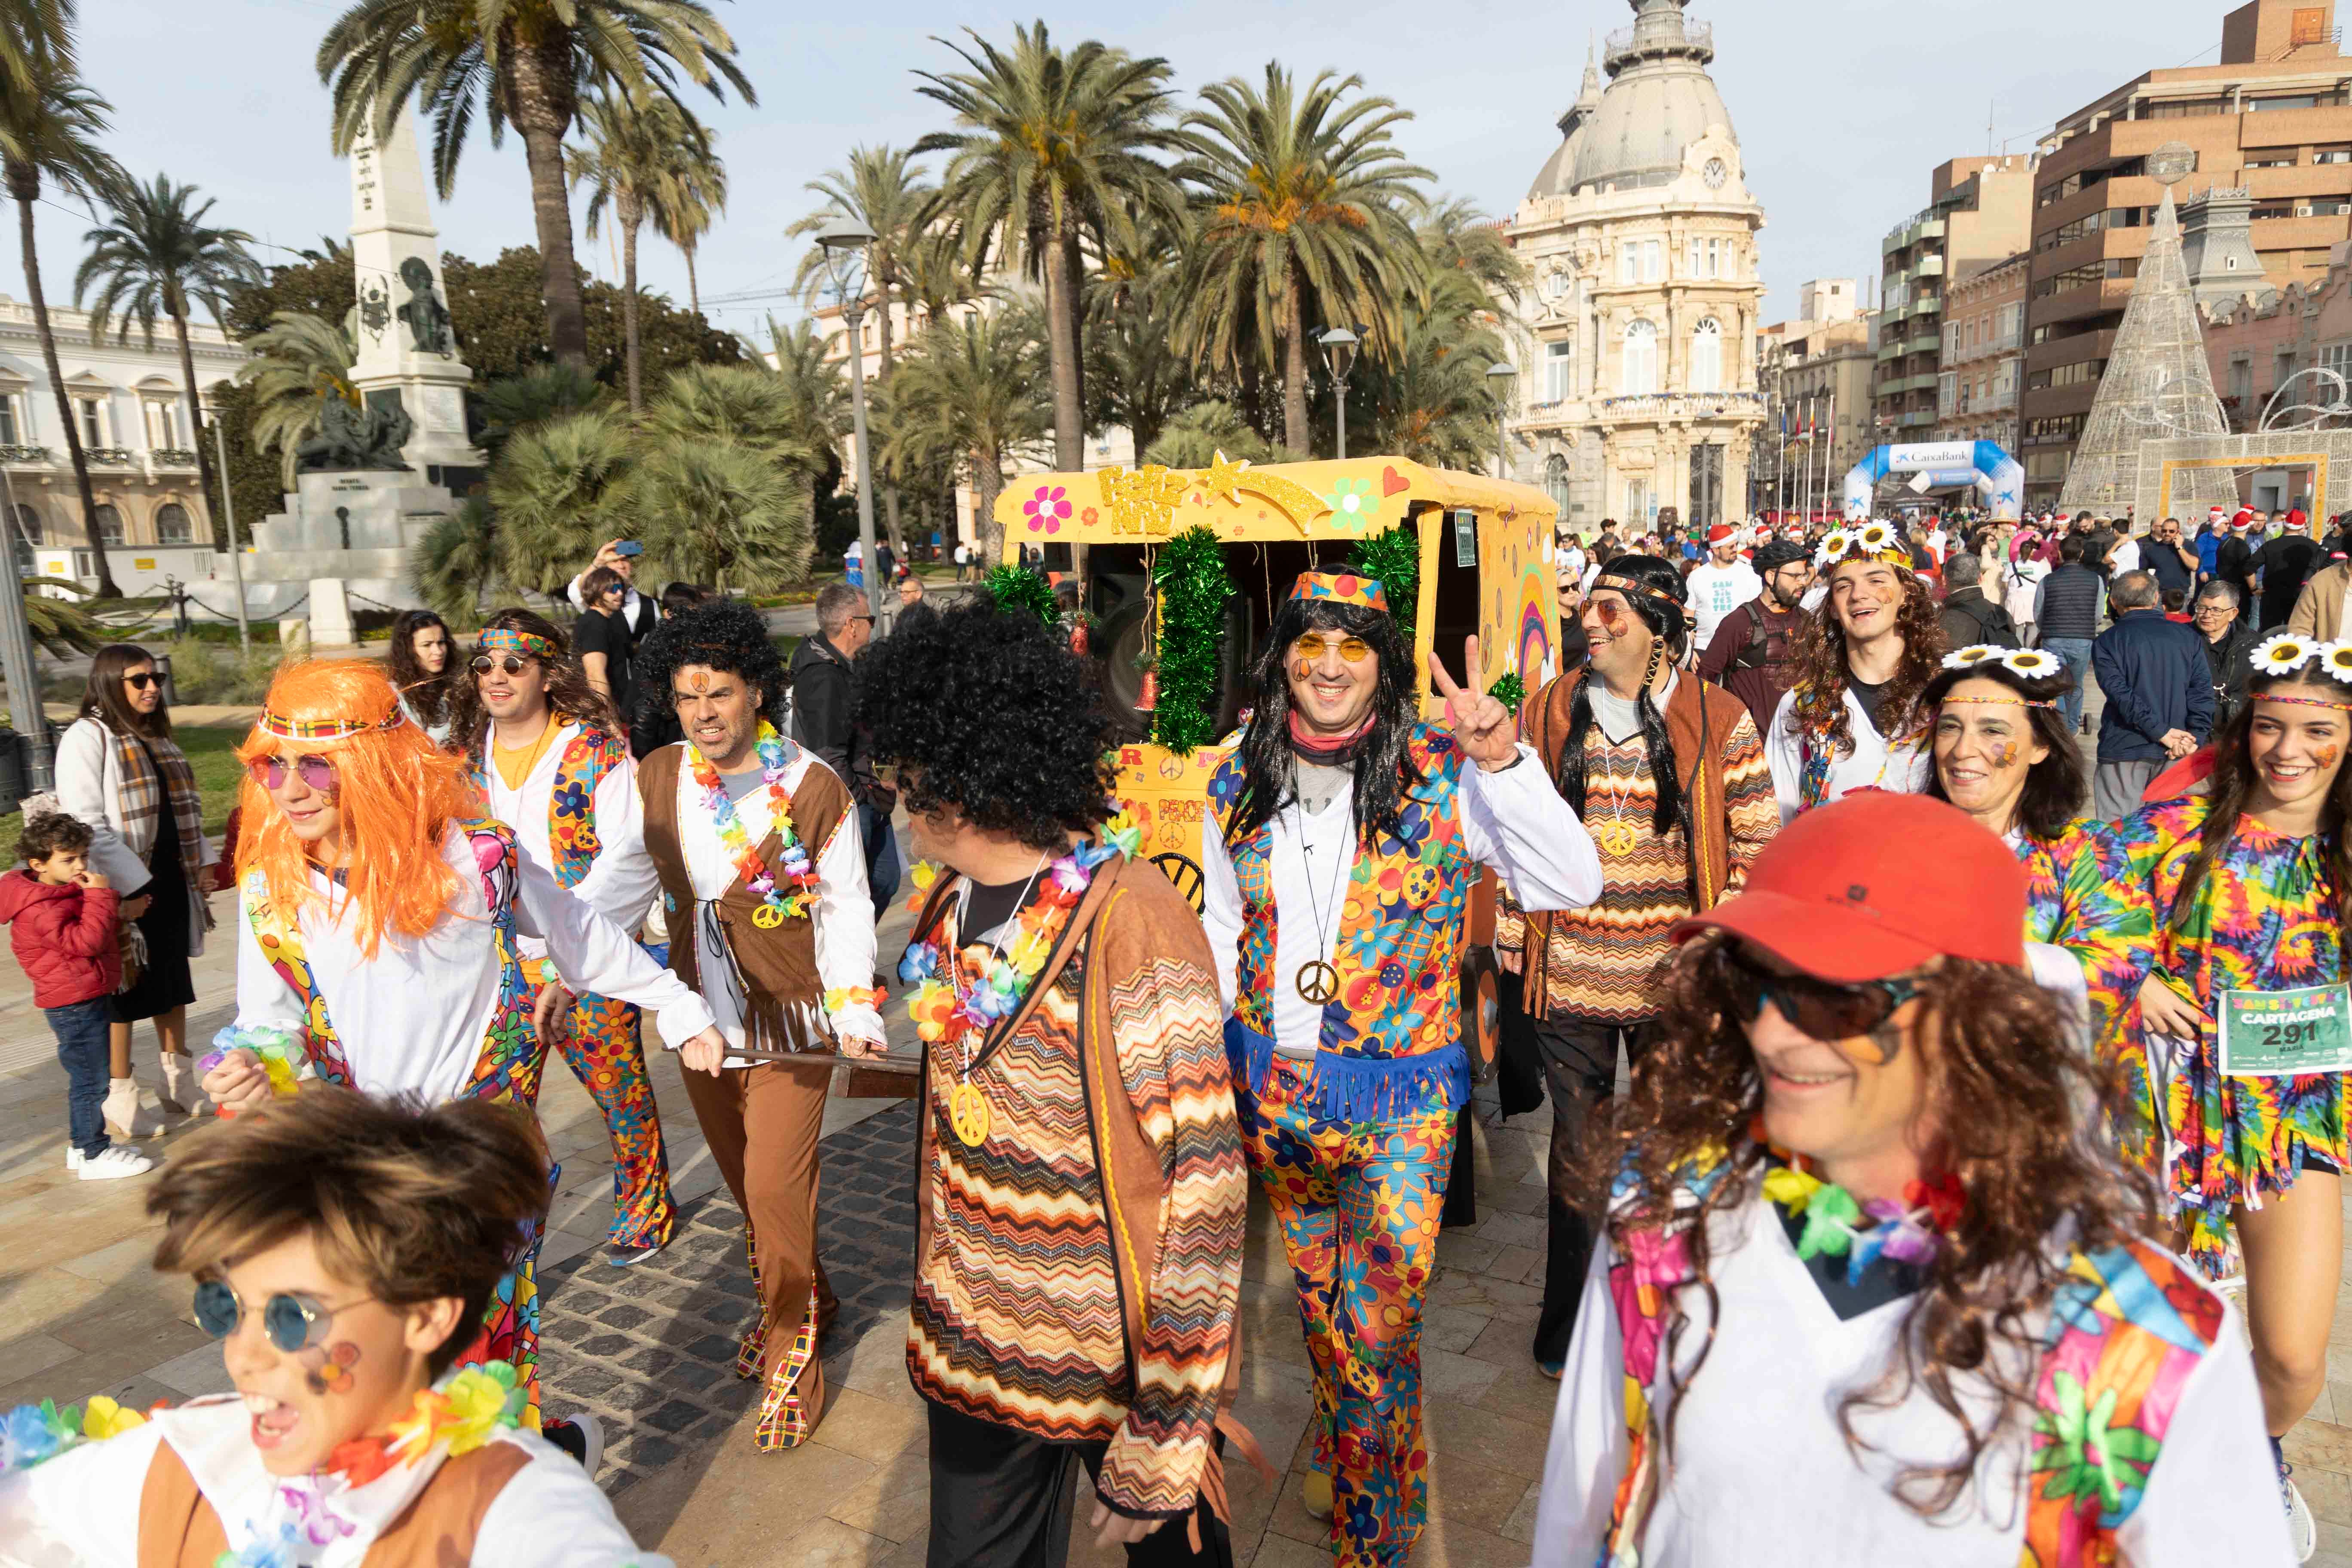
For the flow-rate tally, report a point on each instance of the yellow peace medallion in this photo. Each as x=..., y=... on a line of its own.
x=968, y=1113
x=1616, y=837
x=767, y=917
x=1318, y=983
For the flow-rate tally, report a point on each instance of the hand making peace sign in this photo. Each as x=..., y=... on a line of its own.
x=1483, y=727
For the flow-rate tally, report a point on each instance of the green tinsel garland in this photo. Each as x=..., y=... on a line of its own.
x=1510, y=692
x=1189, y=576
x=1393, y=558
x=1018, y=588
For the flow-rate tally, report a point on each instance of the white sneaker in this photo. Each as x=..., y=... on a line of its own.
x=114, y=1162
x=580, y=1434
x=73, y=1158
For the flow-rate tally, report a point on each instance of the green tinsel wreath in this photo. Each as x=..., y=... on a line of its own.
x=1510, y=692
x=1393, y=559
x=1189, y=576
x=1018, y=588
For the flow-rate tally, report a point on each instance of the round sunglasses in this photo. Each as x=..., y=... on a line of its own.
x=1821, y=1009
x=513, y=663
x=316, y=771
x=1311, y=646
x=292, y=1319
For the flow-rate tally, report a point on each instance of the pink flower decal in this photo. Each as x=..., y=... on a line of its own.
x=1047, y=510
x=1653, y=1266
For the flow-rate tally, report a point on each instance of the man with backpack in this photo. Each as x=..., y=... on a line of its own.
x=1753, y=654
x=1971, y=616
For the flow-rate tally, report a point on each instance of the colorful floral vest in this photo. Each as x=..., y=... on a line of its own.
x=572, y=842
x=508, y=1068
x=2128, y=1327
x=1390, y=1044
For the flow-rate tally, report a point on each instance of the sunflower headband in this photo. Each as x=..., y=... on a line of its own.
x=1871, y=542
x=1628, y=586
x=2286, y=653
x=504, y=639
x=287, y=729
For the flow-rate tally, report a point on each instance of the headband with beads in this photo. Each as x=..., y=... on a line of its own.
x=287, y=729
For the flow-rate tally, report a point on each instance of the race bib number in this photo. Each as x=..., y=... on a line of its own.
x=2285, y=1034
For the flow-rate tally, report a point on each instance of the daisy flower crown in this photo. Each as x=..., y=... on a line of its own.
x=1871, y=542
x=2288, y=652
x=2026, y=663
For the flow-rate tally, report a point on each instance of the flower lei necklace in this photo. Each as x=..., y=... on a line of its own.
x=774, y=908
x=1911, y=1231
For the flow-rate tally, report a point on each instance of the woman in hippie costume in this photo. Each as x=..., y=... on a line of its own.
x=2220, y=938
x=1853, y=721
x=1348, y=834
x=1872, y=1289
x=343, y=1249
x=381, y=931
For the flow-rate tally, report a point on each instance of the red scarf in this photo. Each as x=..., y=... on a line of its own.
x=1328, y=751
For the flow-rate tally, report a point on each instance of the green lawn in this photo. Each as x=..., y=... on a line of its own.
x=212, y=752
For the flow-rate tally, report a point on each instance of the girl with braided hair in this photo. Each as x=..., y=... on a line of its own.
x=1668, y=774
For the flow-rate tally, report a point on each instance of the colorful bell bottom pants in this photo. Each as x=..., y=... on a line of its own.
x=510, y=1330
x=1358, y=1204
x=603, y=1049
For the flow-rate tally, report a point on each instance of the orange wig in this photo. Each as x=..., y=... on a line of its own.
x=399, y=794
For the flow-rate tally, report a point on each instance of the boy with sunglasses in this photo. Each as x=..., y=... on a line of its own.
x=343, y=1249
x=1861, y=1206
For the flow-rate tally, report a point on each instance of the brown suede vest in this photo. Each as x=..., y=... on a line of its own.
x=178, y=1528
x=778, y=964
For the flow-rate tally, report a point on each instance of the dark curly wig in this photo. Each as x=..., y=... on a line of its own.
x=722, y=636
x=2056, y=787
x=1820, y=666
x=990, y=715
x=1383, y=775
x=568, y=691
x=2029, y=1151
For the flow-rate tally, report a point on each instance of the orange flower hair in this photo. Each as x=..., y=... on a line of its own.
x=399, y=794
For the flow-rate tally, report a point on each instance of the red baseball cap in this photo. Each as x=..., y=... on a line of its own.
x=1876, y=884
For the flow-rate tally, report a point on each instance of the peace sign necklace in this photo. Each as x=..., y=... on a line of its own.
x=1616, y=835
x=1317, y=980
x=967, y=1106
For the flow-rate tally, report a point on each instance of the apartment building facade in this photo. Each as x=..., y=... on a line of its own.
x=1983, y=367
x=1979, y=213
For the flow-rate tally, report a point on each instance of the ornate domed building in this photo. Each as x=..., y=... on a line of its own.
x=1637, y=370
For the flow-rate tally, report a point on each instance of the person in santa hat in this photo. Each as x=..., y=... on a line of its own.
x=2285, y=561
x=1718, y=585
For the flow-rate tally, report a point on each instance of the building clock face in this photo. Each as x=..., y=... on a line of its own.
x=1715, y=173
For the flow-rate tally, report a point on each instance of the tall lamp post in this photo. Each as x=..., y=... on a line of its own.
x=1339, y=354
x=845, y=241
x=1499, y=378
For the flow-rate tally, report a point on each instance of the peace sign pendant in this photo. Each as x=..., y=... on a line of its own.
x=1616, y=837
x=1318, y=983
x=767, y=917
x=968, y=1113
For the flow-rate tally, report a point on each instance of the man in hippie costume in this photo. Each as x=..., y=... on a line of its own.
x=1853, y=719
x=380, y=943
x=1081, y=1195
x=341, y=1248
x=763, y=888
x=552, y=759
x=1873, y=1290
x=1348, y=834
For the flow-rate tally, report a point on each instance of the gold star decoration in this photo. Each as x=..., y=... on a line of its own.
x=1222, y=478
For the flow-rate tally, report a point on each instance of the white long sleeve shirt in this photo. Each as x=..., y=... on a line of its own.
x=1761, y=1476
x=81, y=1509
x=1872, y=764
x=622, y=880
x=1513, y=821
x=413, y=1019
x=845, y=904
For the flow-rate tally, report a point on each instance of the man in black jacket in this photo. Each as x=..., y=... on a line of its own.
x=823, y=707
x=2233, y=561
x=1969, y=617
x=2160, y=689
x=2286, y=561
x=2067, y=605
x=2228, y=645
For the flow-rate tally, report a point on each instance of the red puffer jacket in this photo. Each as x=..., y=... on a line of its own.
x=64, y=937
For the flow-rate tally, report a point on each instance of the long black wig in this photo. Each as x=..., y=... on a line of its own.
x=1669, y=623
x=1385, y=775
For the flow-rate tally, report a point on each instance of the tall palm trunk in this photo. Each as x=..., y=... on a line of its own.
x=886, y=276
x=538, y=100
x=1294, y=367
x=1062, y=345
x=693, y=288
x=632, y=213
x=987, y=483
x=25, y=185
x=211, y=483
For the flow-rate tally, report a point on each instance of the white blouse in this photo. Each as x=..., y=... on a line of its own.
x=413, y=1019
x=621, y=881
x=1872, y=764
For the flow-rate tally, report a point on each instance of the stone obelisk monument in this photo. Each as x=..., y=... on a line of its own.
x=408, y=355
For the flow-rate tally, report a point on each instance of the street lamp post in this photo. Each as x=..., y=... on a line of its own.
x=236, y=556
x=1499, y=376
x=845, y=240
x=1339, y=354
x=21, y=663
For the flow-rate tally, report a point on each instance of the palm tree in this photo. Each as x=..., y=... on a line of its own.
x=50, y=127
x=557, y=490
x=1051, y=147
x=1304, y=199
x=299, y=362
x=159, y=257
x=884, y=189
x=693, y=194
x=819, y=396
x=454, y=562
x=1429, y=393
x=973, y=395
x=523, y=61
x=720, y=512
x=633, y=148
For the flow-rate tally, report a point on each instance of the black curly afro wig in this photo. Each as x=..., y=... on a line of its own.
x=721, y=635
x=990, y=712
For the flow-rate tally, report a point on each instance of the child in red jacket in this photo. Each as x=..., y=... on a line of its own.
x=62, y=922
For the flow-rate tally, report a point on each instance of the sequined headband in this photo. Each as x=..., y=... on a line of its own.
x=286, y=729
x=503, y=639
x=1628, y=586
x=1342, y=587
x=2004, y=701
x=2302, y=702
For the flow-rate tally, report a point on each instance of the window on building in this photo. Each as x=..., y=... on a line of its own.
x=2272, y=162
x=1555, y=285
x=1952, y=338
x=172, y=524
x=2329, y=206
x=2012, y=318
x=1717, y=254
x=1637, y=502
x=1707, y=356
x=2335, y=358
x=2273, y=209
x=28, y=524
x=1947, y=393
x=11, y=432
x=2241, y=378
x=2187, y=109
x=1556, y=482
x=1559, y=371
x=1640, y=374
x=2331, y=154
x=93, y=428
x=109, y=525
x=1654, y=260
x=1629, y=261
x=2064, y=427
x=2281, y=369
x=163, y=426
x=2004, y=381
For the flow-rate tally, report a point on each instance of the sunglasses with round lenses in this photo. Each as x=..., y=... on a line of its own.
x=292, y=1321
x=316, y=771
x=513, y=663
x=1312, y=647
x=1821, y=1009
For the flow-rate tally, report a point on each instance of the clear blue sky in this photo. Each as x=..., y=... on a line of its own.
x=1842, y=106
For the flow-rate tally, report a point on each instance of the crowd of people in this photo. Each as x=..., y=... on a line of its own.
x=1983, y=1144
